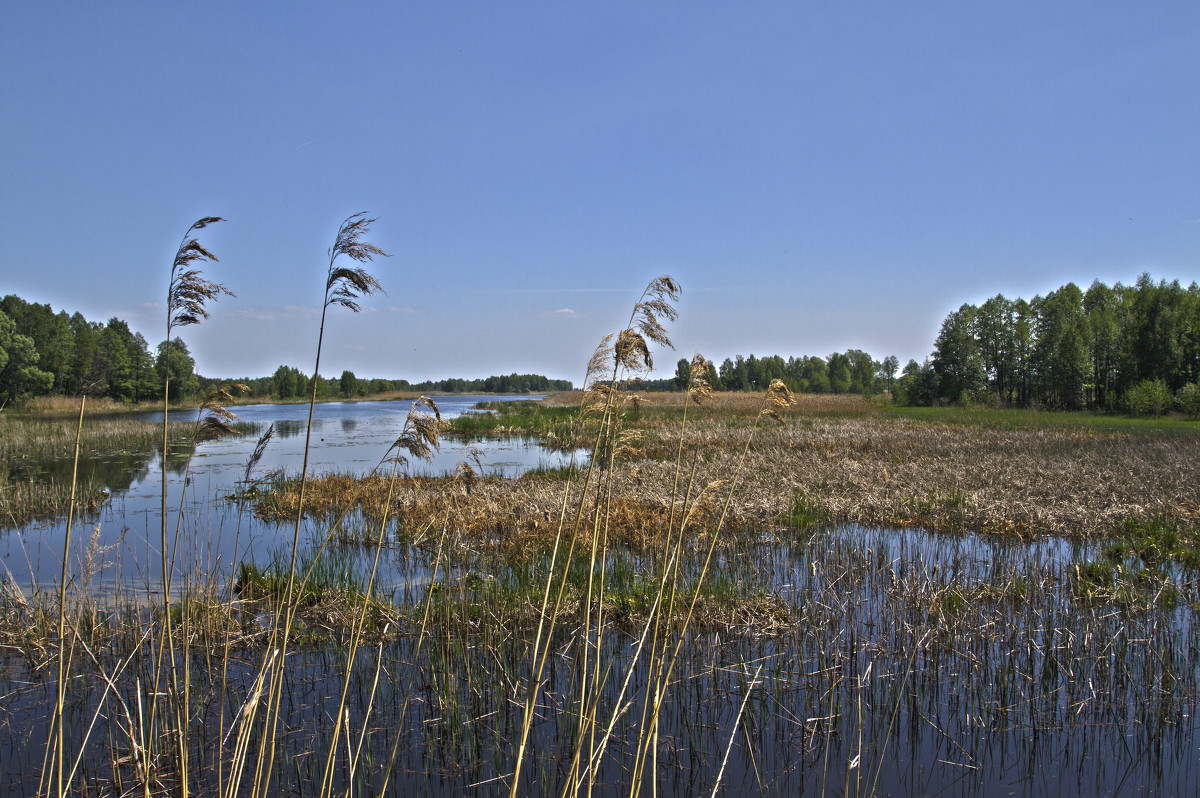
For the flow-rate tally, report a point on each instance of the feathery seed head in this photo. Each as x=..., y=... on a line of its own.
x=465, y=471
x=344, y=286
x=632, y=352
x=188, y=291
x=599, y=364
x=778, y=398
x=699, y=388
x=215, y=419
x=420, y=436
x=260, y=448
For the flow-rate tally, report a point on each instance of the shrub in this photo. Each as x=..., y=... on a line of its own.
x=1189, y=400
x=1149, y=398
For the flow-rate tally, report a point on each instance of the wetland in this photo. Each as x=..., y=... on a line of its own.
x=850, y=600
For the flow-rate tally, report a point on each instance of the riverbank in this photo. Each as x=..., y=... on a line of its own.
x=854, y=651
x=838, y=459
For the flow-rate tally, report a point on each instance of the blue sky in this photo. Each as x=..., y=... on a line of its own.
x=817, y=175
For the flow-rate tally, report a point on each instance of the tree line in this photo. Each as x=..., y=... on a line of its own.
x=45, y=353
x=852, y=371
x=288, y=382
x=1133, y=348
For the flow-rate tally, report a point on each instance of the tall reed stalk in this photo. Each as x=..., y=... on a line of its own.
x=615, y=359
x=56, y=742
x=419, y=438
x=343, y=286
x=187, y=295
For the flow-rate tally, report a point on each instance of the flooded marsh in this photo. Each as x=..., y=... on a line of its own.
x=778, y=648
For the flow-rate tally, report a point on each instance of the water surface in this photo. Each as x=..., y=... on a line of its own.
x=347, y=437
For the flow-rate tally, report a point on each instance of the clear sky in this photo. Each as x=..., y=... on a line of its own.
x=817, y=175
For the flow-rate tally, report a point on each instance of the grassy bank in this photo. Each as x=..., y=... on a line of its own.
x=684, y=597
x=839, y=460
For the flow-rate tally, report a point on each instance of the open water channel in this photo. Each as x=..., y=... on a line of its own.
x=124, y=537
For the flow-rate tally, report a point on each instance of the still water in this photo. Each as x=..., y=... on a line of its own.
x=124, y=538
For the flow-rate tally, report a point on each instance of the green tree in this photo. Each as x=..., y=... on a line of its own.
x=175, y=364
x=815, y=375
x=81, y=377
x=348, y=384
x=997, y=333
x=956, y=358
x=917, y=385
x=1061, y=353
x=888, y=369
x=146, y=384
x=288, y=382
x=839, y=370
x=20, y=377
x=51, y=334
x=1104, y=336
x=683, y=374
x=1155, y=334
x=862, y=372
x=733, y=374
x=115, y=367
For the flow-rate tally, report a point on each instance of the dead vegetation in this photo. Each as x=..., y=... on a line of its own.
x=839, y=459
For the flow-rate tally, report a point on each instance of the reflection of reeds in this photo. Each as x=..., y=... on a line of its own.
x=681, y=601
x=35, y=439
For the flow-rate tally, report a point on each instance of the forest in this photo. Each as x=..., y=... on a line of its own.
x=1121, y=348
x=1132, y=349
x=1125, y=348
x=43, y=353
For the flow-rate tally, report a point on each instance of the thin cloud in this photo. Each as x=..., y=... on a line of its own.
x=271, y=313
x=406, y=309
x=255, y=314
x=556, y=291
x=561, y=312
x=300, y=310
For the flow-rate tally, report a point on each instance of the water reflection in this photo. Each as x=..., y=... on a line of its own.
x=288, y=427
x=115, y=472
x=347, y=437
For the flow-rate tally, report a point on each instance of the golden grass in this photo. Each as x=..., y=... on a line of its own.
x=866, y=468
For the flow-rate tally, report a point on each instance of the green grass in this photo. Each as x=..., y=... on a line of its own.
x=1019, y=419
x=332, y=578
x=1135, y=567
x=805, y=513
x=522, y=417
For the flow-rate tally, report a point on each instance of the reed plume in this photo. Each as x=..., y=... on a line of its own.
x=187, y=296
x=188, y=291
x=344, y=286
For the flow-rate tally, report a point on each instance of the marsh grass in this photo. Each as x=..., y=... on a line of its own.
x=680, y=613
x=517, y=418
x=25, y=502
x=1023, y=419
x=972, y=656
x=34, y=439
x=873, y=470
x=37, y=463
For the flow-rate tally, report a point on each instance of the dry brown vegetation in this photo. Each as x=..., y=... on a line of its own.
x=842, y=460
